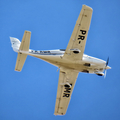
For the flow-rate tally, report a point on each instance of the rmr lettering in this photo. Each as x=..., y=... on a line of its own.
x=67, y=91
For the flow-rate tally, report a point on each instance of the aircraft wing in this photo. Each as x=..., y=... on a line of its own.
x=76, y=45
x=67, y=79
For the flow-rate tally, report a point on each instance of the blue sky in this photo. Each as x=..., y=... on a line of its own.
x=31, y=94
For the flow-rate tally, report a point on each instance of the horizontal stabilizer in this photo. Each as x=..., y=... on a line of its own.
x=24, y=46
x=25, y=41
x=20, y=61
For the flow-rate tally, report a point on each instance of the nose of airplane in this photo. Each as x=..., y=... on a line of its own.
x=108, y=67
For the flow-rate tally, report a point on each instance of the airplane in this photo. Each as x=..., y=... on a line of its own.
x=70, y=61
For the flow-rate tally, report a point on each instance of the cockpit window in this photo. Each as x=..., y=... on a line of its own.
x=62, y=49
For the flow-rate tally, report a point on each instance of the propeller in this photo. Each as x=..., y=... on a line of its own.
x=106, y=67
x=105, y=73
x=107, y=62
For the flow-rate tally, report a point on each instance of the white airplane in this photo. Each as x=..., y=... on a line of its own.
x=70, y=61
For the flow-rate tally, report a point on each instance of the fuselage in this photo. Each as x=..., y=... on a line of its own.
x=88, y=64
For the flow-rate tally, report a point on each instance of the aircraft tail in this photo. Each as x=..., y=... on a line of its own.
x=19, y=47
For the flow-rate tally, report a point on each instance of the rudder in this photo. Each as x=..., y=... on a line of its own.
x=15, y=43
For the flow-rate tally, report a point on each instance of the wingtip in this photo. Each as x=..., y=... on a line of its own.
x=87, y=7
x=27, y=31
x=59, y=114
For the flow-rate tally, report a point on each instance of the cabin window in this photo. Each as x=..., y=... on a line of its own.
x=62, y=49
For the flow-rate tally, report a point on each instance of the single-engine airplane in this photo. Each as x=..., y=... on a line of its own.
x=70, y=61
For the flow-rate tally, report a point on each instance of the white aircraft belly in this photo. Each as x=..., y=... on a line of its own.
x=58, y=61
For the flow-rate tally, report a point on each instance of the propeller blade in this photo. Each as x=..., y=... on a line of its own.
x=107, y=61
x=106, y=67
x=105, y=73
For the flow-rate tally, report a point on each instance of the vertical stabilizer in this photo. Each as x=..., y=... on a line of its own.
x=15, y=43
